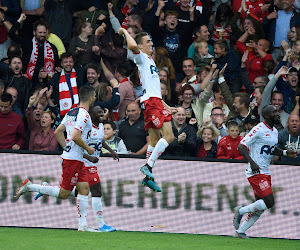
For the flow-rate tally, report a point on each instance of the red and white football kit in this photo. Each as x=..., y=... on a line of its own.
x=73, y=168
x=262, y=141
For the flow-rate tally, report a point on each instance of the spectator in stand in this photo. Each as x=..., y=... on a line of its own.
x=14, y=93
x=277, y=25
x=201, y=33
x=38, y=52
x=294, y=35
x=14, y=78
x=93, y=74
x=185, y=136
x=165, y=92
x=12, y=9
x=217, y=102
x=247, y=22
x=108, y=97
x=42, y=136
x=82, y=46
x=162, y=60
x=123, y=10
x=202, y=57
x=250, y=122
x=289, y=85
x=126, y=89
x=187, y=93
x=227, y=146
x=132, y=130
x=258, y=9
x=289, y=138
x=222, y=29
x=224, y=55
x=239, y=105
x=171, y=95
x=201, y=75
x=12, y=131
x=171, y=37
x=114, y=142
x=206, y=143
x=275, y=98
x=256, y=107
x=66, y=85
x=188, y=68
x=5, y=42
x=257, y=55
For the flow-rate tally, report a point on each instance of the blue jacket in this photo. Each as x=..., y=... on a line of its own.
x=269, y=26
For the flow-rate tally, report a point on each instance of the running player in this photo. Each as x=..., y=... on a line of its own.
x=157, y=113
x=78, y=125
x=262, y=140
x=90, y=161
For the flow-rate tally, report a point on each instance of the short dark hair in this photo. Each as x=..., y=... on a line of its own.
x=231, y=123
x=14, y=50
x=276, y=92
x=124, y=69
x=6, y=97
x=66, y=55
x=93, y=66
x=11, y=58
x=139, y=37
x=188, y=58
x=215, y=109
x=222, y=44
x=187, y=87
x=85, y=92
x=136, y=16
x=244, y=98
x=40, y=23
x=118, y=40
x=112, y=124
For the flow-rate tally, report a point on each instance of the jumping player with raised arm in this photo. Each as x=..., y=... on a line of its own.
x=157, y=113
x=78, y=125
x=262, y=141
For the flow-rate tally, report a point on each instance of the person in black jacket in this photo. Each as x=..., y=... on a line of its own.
x=185, y=136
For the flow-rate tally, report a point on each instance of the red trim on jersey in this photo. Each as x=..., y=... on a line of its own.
x=267, y=125
x=125, y=80
x=78, y=130
x=136, y=53
x=94, y=126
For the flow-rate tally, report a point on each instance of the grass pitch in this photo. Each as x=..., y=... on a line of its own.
x=31, y=238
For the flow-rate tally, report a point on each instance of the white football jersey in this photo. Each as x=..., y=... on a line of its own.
x=95, y=142
x=77, y=118
x=261, y=141
x=148, y=76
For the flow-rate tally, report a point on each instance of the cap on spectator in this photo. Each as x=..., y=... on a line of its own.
x=251, y=119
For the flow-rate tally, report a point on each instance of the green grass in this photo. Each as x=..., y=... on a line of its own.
x=31, y=238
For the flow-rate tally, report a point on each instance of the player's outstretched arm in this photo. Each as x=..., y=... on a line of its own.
x=131, y=43
x=289, y=153
x=113, y=153
x=60, y=136
x=245, y=153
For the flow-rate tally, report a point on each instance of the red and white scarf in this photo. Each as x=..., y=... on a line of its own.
x=126, y=10
x=65, y=100
x=49, y=63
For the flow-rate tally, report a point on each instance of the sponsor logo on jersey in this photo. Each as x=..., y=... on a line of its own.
x=267, y=150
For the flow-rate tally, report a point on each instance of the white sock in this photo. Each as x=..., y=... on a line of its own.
x=250, y=220
x=149, y=151
x=259, y=205
x=97, y=207
x=82, y=204
x=160, y=147
x=49, y=190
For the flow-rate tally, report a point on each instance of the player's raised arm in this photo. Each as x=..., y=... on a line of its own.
x=245, y=153
x=131, y=43
x=60, y=136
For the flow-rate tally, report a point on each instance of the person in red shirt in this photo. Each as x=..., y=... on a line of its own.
x=257, y=56
x=228, y=145
x=12, y=131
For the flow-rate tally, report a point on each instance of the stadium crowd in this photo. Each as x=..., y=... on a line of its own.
x=219, y=63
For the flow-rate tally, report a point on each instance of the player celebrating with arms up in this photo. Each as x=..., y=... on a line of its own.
x=78, y=125
x=262, y=140
x=157, y=113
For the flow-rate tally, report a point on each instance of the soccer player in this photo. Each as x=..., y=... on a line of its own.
x=157, y=113
x=262, y=140
x=78, y=125
x=90, y=161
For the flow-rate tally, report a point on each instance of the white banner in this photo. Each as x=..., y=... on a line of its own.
x=197, y=197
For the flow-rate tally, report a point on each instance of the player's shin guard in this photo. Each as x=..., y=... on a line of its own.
x=250, y=220
x=48, y=190
x=98, y=210
x=82, y=204
x=259, y=205
x=160, y=147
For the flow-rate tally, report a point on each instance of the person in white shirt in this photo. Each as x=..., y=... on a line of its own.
x=262, y=141
x=157, y=114
x=78, y=125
